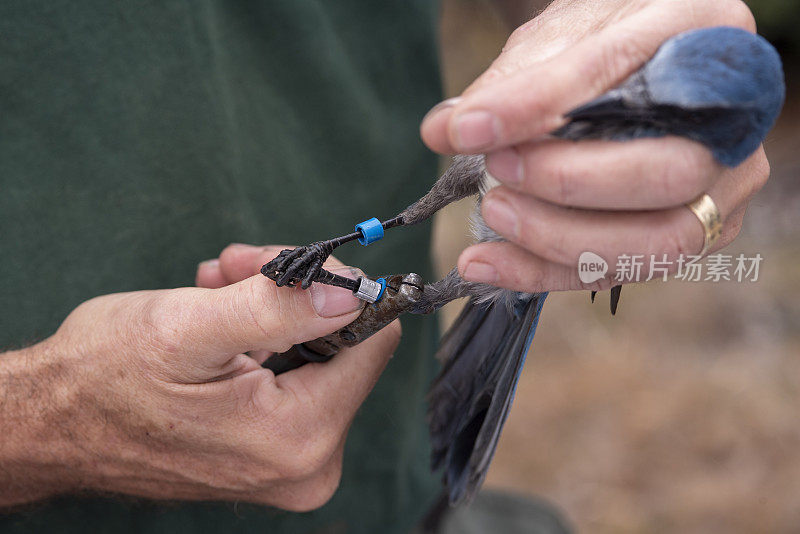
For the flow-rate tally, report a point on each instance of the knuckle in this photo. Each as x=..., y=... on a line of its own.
x=160, y=316
x=227, y=253
x=287, y=316
x=538, y=104
x=618, y=59
x=521, y=33
x=737, y=13
x=265, y=312
x=556, y=244
x=683, y=178
x=252, y=314
x=560, y=174
x=267, y=405
x=676, y=241
x=493, y=73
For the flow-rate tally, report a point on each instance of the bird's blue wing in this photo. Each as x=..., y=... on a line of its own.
x=483, y=354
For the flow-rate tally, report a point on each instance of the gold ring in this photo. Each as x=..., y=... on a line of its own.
x=708, y=214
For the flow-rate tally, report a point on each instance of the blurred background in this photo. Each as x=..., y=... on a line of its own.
x=682, y=413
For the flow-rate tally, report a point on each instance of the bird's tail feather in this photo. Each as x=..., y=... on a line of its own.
x=482, y=354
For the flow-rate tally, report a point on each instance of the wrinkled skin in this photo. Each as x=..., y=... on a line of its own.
x=161, y=394
x=559, y=198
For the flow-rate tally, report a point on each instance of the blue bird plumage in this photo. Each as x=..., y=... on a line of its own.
x=722, y=87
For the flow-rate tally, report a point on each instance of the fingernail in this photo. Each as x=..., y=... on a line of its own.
x=506, y=166
x=475, y=130
x=477, y=271
x=330, y=301
x=209, y=263
x=501, y=217
x=444, y=104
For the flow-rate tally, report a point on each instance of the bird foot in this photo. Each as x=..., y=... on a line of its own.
x=301, y=265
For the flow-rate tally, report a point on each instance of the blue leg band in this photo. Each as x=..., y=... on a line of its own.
x=371, y=231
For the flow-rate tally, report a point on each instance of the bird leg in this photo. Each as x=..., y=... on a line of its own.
x=303, y=265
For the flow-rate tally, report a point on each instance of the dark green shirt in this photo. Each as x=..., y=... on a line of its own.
x=139, y=138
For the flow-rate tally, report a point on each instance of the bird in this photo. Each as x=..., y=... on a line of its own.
x=722, y=87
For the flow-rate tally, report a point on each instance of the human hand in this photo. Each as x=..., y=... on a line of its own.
x=151, y=393
x=561, y=198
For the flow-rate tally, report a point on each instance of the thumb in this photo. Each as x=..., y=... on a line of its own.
x=255, y=314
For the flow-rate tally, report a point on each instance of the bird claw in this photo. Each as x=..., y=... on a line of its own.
x=300, y=265
x=615, y=293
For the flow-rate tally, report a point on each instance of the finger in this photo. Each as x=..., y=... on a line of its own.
x=248, y=315
x=507, y=265
x=533, y=101
x=239, y=261
x=561, y=234
x=210, y=275
x=640, y=174
x=730, y=230
x=333, y=391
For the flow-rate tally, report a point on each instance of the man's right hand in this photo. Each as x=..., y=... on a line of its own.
x=151, y=393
